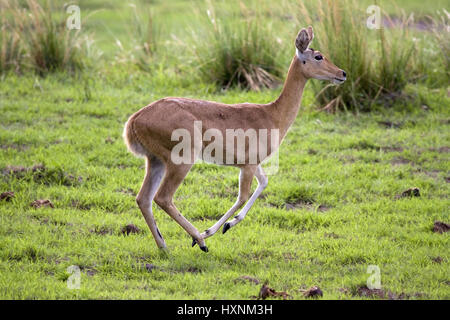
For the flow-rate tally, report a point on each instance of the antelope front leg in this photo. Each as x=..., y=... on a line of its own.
x=245, y=182
x=262, y=184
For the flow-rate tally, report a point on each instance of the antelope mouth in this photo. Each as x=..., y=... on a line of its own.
x=338, y=80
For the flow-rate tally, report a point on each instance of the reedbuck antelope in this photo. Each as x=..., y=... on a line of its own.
x=150, y=133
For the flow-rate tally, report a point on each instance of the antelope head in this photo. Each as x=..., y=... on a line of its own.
x=314, y=63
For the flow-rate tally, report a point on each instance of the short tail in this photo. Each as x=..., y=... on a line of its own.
x=131, y=139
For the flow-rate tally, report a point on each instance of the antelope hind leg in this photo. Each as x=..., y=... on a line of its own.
x=153, y=176
x=175, y=174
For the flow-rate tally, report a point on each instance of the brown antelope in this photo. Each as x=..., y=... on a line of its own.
x=149, y=133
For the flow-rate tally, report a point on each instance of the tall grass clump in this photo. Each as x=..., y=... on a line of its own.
x=376, y=61
x=45, y=44
x=435, y=55
x=12, y=53
x=145, y=39
x=237, y=51
x=396, y=50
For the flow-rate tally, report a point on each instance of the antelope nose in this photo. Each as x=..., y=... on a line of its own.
x=344, y=74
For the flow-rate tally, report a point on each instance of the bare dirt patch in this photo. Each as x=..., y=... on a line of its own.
x=391, y=149
x=364, y=291
x=437, y=260
x=440, y=150
x=89, y=270
x=42, y=203
x=364, y=145
x=390, y=124
x=344, y=290
x=323, y=208
x=109, y=140
x=347, y=159
x=150, y=267
x=267, y=292
x=332, y=235
x=300, y=204
x=409, y=193
x=257, y=256
x=313, y=292
x=7, y=196
x=102, y=230
x=127, y=191
x=39, y=173
x=400, y=161
x=288, y=256
x=430, y=173
x=193, y=270
x=17, y=170
x=207, y=217
x=14, y=146
x=303, y=204
x=440, y=227
x=130, y=228
x=43, y=220
x=80, y=206
x=173, y=269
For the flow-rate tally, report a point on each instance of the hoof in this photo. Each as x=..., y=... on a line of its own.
x=204, y=248
x=226, y=227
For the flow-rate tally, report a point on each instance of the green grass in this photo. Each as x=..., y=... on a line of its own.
x=341, y=173
x=348, y=163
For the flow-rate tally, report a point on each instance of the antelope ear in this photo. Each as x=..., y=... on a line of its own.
x=304, y=38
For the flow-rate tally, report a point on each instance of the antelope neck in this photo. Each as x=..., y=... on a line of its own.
x=284, y=110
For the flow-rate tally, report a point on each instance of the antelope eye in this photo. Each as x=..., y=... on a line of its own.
x=319, y=57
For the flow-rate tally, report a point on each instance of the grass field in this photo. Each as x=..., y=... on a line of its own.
x=332, y=209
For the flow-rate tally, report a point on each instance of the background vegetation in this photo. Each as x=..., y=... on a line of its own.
x=335, y=206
